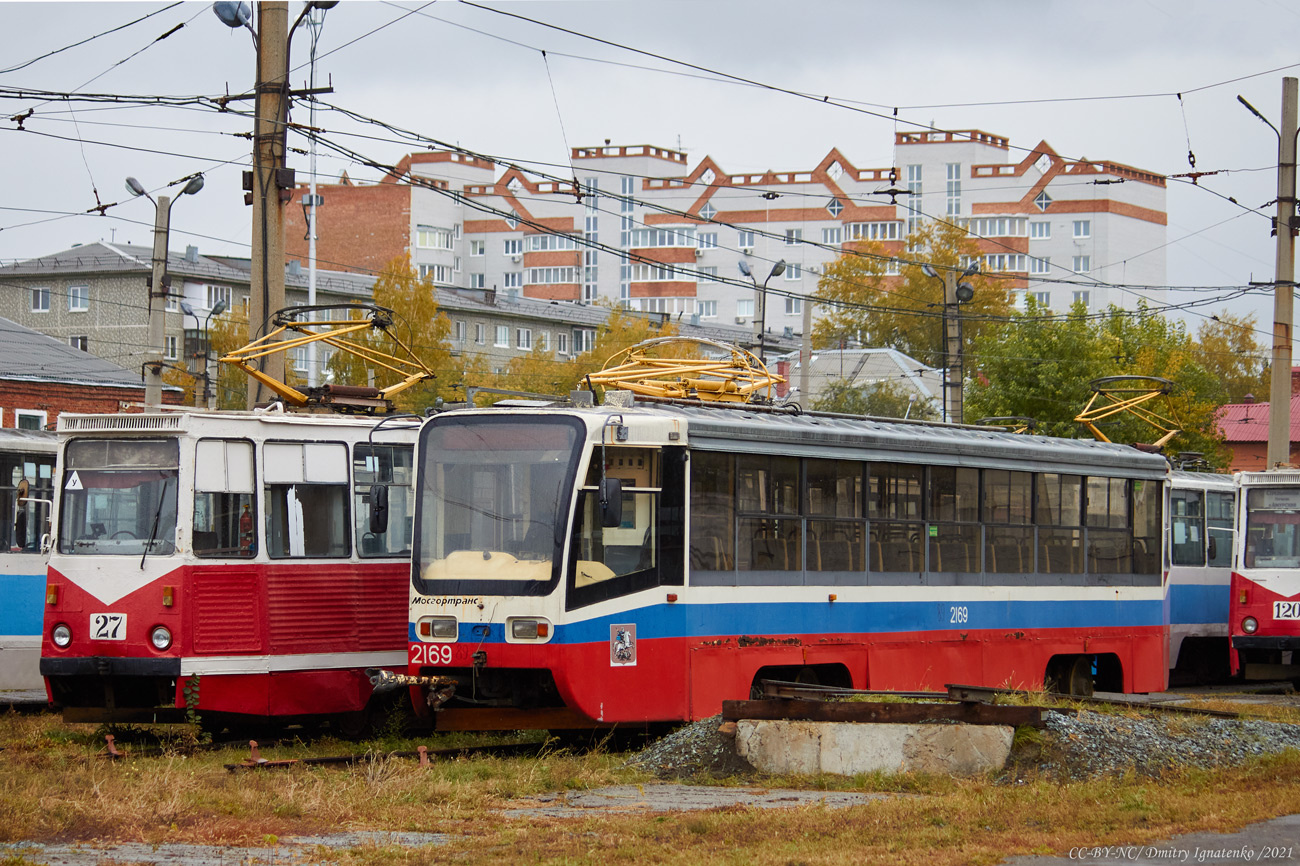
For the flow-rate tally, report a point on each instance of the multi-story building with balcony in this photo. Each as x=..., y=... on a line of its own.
x=639, y=225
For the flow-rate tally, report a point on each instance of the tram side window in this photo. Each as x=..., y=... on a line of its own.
x=306, y=491
x=713, y=511
x=1187, y=525
x=225, y=510
x=954, y=519
x=1058, y=512
x=894, y=506
x=26, y=499
x=834, y=504
x=1008, y=531
x=1220, y=510
x=1147, y=497
x=390, y=465
x=769, y=526
x=1107, y=513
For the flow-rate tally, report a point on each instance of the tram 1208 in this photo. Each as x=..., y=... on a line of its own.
x=222, y=564
x=1264, y=619
x=578, y=566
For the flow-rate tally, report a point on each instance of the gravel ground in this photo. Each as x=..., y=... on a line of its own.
x=1071, y=747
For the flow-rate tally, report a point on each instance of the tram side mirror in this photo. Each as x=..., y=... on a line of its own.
x=379, y=508
x=611, y=502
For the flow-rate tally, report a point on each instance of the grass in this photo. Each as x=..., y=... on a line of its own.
x=55, y=786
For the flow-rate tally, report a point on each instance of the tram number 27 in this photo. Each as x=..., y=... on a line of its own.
x=108, y=626
x=958, y=614
x=430, y=653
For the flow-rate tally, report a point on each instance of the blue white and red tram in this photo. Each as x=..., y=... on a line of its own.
x=223, y=564
x=26, y=475
x=582, y=566
x=1202, y=514
x=1264, y=619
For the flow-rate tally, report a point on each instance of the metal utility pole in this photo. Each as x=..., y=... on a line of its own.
x=805, y=356
x=153, y=381
x=1279, y=403
x=266, y=286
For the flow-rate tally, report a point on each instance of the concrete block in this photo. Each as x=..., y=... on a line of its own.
x=849, y=748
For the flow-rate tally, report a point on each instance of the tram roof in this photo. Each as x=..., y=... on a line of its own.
x=809, y=435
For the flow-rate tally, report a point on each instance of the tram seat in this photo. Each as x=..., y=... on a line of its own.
x=1145, y=561
x=709, y=554
x=769, y=550
x=1108, y=558
x=898, y=555
x=1058, y=559
x=1006, y=558
x=833, y=551
x=953, y=556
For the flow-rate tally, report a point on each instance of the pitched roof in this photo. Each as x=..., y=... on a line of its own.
x=867, y=367
x=29, y=356
x=1248, y=422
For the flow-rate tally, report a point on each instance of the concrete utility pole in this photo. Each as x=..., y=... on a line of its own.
x=153, y=380
x=266, y=287
x=1279, y=403
x=952, y=348
x=805, y=357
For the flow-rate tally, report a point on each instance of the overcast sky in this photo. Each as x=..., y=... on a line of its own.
x=1098, y=80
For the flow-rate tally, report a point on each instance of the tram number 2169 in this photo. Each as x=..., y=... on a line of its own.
x=430, y=654
x=958, y=615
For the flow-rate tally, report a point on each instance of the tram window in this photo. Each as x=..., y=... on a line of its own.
x=26, y=500
x=1273, y=527
x=1187, y=528
x=713, y=511
x=225, y=510
x=1220, y=511
x=767, y=484
x=835, y=493
x=307, y=499
x=769, y=528
x=1147, y=496
x=119, y=497
x=390, y=465
x=1007, y=496
x=1107, y=502
x=894, y=491
x=834, y=488
x=1107, y=515
x=954, y=494
x=1060, y=500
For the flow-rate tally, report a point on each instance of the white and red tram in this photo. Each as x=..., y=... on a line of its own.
x=226, y=557
x=1264, y=618
x=582, y=566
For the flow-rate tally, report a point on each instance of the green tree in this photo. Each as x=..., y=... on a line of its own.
x=905, y=311
x=883, y=400
x=1229, y=347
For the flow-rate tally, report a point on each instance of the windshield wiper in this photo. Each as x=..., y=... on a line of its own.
x=157, y=516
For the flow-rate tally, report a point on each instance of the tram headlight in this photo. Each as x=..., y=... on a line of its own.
x=440, y=627
x=61, y=635
x=530, y=629
x=160, y=637
x=1250, y=625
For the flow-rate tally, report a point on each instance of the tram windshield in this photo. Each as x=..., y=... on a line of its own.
x=495, y=493
x=119, y=497
x=1273, y=527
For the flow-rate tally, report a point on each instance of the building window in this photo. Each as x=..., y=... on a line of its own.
x=833, y=236
x=83, y=342
x=708, y=212
x=954, y=188
x=998, y=227
x=477, y=248
x=524, y=339
x=793, y=306
x=1083, y=228
x=299, y=359
x=478, y=333
x=552, y=276
x=513, y=246
x=431, y=238
x=744, y=308
x=460, y=331
x=173, y=303
x=707, y=240
x=549, y=243
x=793, y=237
x=219, y=293
x=513, y=279
x=78, y=299
x=561, y=343
x=706, y=309
x=835, y=206
x=170, y=350
x=877, y=231
x=745, y=240
x=477, y=281
x=436, y=273
x=1040, y=266
x=627, y=186
x=653, y=238
x=914, y=180
x=707, y=273
x=1082, y=297
x=1082, y=264
x=40, y=300
x=1040, y=230
x=29, y=419
x=1043, y=200
x=503, y=337
x=1044, y=299
x=794, y=272
x=1004, y=262
x=584, y=340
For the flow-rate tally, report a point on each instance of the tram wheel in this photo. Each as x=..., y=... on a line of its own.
x=1070, y=675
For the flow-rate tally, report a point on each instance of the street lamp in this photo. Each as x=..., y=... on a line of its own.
x=955, y=294
x=206, y=344
x=158, y=289
x=760, y=297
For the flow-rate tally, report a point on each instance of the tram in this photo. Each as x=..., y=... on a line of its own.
x=221, y=565
x=1264, y=603
x=26, y=474
x=1202, y=512
x=586, y=565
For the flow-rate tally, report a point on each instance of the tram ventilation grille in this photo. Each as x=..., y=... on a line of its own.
x=143, y=423
x=1273, y=476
